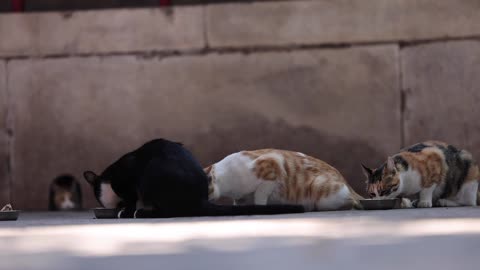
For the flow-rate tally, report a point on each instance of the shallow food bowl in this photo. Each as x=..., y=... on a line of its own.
x=105, y=212
x=9, y=215
x=384, y=204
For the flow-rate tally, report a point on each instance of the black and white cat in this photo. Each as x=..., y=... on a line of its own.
x=162, y=179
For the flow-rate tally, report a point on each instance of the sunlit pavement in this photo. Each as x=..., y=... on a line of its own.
x=438, y=238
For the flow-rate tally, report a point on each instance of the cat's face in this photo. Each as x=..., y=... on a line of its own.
x=383, y=182
x=102, y=190
x=64, y=199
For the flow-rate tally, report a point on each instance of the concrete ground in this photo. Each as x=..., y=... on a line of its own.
x=438, y=238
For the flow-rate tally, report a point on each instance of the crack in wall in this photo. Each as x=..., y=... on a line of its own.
x=208, y=49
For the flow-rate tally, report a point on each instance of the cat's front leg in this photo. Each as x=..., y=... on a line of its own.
x=263, y=192
x=426, y=196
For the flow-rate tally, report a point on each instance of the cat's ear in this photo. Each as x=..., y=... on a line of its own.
x=90, y=177
x=208, y=169
x=391, y=164
x=367, y=171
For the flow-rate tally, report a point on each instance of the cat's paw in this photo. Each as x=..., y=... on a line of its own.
x=406, y=203
x=424, y=204
x=446, y=203
x=440, y=203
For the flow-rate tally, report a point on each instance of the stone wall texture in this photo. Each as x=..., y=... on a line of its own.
x=4, y=138
x=346, y=81
x=340, y=21
x=442, y=88
x=109, y=31
x=67, y=123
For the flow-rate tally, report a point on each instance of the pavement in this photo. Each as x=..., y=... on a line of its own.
x=437, y=238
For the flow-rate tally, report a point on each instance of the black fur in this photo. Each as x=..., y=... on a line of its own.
x=400, y=160
x=377, y=174
x=69, y=183
x=457, y=170
x=417, y=148
x=169, y=181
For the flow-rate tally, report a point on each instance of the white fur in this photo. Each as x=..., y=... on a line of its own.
x=410, y=183
x=108, y=197
x=426, y=197
x=335, y=200
x=406, y=203
x=234, y=177
x=67, y=204
x=264, y=191
x=466, y=196
x=447, y=203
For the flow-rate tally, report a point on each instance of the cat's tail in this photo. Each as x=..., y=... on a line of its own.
x=210, y=209
x=355, y=199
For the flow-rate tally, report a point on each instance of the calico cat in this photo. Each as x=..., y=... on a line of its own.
x=440, y=174
x=162, y=179
x=281, y=176
x=65, y=194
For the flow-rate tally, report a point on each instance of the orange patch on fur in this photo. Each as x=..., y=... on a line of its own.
x=210, y=171
x=60, y=196
x=473, y=173
x=430, y=163
x=267, y=169
x=301, y=177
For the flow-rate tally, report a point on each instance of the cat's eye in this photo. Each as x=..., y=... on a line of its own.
x=372, y=195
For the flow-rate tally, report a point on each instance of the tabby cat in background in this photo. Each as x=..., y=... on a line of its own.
x=65, y=194
x=279, y=176
x=438, y=173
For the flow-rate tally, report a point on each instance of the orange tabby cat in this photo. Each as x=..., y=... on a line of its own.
x=438, y=173
x=279, y=176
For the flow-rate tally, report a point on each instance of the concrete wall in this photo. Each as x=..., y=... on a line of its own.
x=344, y=81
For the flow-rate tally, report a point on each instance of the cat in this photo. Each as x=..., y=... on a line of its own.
x=65, y=194
x=281, y=176
x=162, y=179
x=438, y=173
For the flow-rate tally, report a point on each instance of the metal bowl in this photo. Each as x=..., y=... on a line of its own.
x=9, y=215
x=374, y=204
x=105, y=212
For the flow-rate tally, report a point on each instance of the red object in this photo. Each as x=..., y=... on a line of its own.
x=18, y=5
x=165, y=2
